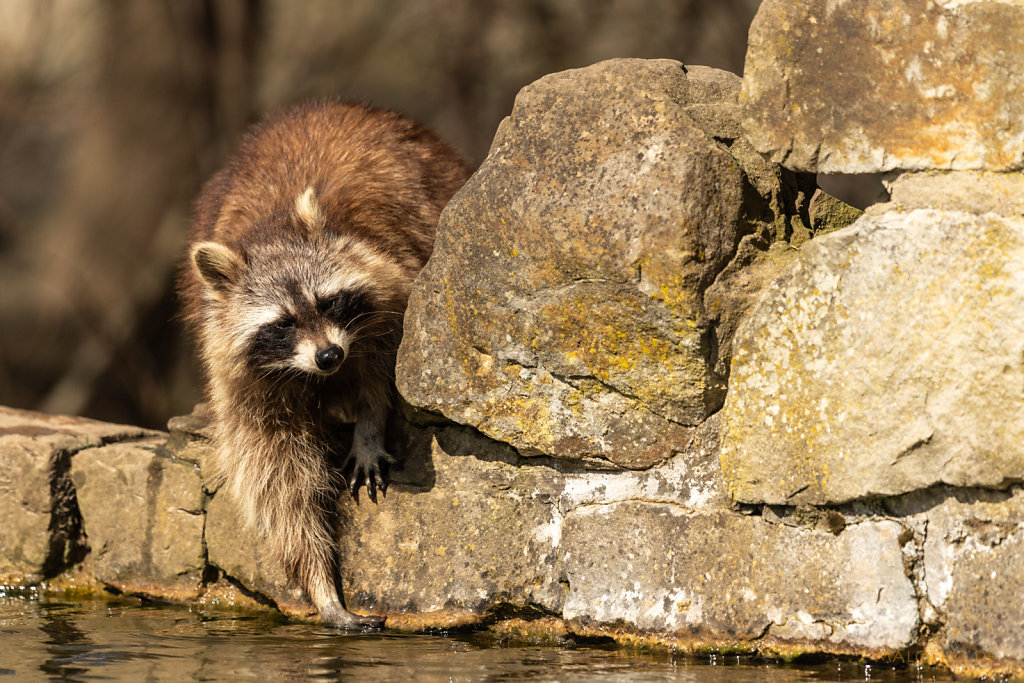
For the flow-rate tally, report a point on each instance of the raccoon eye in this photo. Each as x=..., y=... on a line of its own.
x=324, y=305
x=285, y=324
x=344, y=306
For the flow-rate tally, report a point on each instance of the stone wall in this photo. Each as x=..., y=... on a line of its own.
x=660, y=387
x=884, y=371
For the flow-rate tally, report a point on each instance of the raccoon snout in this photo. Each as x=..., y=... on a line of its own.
x=329, y=357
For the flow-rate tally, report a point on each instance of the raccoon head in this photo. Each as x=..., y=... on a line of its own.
x=300, y=301
x=286, y=308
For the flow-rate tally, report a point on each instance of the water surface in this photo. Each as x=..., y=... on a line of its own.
x=48, y=639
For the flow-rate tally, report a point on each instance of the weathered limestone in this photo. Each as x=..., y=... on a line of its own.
x=563, y=310
x=143, y=513
x=890, y=359
x=465, y=527
x=576, y=224
x=860, y=86
x=246, y=563
x=973, y=568
x=718, y=574
x=40, y=533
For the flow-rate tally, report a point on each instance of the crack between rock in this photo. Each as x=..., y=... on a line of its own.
x=764, y=632
x=130, y=438
x=917, y=445
x=249, y=593
x=880, y=505
x=568, y=379
x=798, y=491
x=571, y=380
x=912, y=542
x=69, y=543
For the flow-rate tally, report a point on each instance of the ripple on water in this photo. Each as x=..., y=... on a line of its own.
x=45, y=639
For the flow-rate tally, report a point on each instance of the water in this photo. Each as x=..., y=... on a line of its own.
x=46, y=639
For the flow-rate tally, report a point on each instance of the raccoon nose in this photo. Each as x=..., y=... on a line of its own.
x=329, y=357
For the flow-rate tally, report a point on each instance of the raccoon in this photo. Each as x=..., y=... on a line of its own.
x=301, y=256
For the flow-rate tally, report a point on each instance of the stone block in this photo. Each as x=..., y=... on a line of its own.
x=721, y=579
x=41, y=530
x=143, y=515
x=463, y=529
x=889, y=359
x=863, y=86
x=974, y=567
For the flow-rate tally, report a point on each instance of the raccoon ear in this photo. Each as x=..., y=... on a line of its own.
x=218, y=266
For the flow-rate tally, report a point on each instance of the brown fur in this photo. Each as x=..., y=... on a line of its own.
x=319, y=194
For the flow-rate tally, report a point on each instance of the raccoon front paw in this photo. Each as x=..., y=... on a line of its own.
x=369, y=465
x=339, y=617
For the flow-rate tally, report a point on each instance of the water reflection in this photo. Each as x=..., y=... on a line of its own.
x=47, y=640
x=64, y=643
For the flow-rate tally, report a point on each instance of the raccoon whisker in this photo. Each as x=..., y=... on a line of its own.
x=376, y=318
x=378, y=313
x=357, y=324
x=367, y=331
x=358, y=334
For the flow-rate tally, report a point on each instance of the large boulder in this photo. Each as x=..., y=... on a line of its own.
x=564, y=309
x=890, y=358
x=858, y=86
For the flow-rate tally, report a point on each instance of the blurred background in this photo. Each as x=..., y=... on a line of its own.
x=113, y=112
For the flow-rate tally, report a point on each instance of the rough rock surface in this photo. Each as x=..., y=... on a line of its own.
x=245, y=562
x=659, y=568
x=480, y=527
x=973, y=568
x=143, y=513
x=563, y=310
x=976, y=192
x=859, y=86
x=463, y=529
x=40, y=533
x=891, y=358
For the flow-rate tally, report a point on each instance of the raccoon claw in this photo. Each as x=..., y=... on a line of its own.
x=372, y=475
